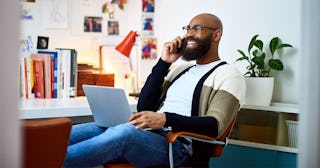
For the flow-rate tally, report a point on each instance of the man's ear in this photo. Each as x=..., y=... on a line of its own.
x=216, y=36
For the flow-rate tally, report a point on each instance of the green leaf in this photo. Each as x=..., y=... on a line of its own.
x=242, y=53
x=275, y=64
x=259, y=61
x=242, y=58
x=283, y=46
x=252, y=42
x=259, y=44
x=273, y=44
x=255, y=53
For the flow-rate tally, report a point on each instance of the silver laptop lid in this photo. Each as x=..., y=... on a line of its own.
x=109, y=105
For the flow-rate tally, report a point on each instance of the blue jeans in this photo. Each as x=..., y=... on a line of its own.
x=91, y=145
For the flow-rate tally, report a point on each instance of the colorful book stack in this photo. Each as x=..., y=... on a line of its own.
x=49, y=74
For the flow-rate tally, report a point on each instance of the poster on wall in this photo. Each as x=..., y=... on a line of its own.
x=149, y=48
x=147, y=24
x=92, y=24
x=26, y=11
x=27, y=44
x=147, y=5
x=55, y=14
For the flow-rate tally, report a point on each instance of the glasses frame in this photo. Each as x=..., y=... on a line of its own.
x=197, y=28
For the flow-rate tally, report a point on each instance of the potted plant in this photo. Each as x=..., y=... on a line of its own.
x=259, y=70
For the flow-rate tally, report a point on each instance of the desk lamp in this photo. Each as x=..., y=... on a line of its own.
x=125, y=48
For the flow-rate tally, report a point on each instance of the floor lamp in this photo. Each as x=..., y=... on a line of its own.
x=125, y=48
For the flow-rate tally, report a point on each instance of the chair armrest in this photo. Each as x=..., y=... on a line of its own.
x=172, y=137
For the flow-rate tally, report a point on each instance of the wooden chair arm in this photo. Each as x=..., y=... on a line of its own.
x=172, y=137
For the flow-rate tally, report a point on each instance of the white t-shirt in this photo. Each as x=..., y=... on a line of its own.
x=180, y=93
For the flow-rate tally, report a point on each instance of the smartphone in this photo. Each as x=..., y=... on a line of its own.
x=183, y=45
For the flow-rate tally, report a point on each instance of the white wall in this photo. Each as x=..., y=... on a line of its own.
x=87, y=44
x=242, y=19
x=9, y=123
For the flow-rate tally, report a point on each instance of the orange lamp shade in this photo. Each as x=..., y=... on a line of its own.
x=127, y=43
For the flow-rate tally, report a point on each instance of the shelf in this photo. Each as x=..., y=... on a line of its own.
x=265, y=127
x=275, y=107
x=263, y=146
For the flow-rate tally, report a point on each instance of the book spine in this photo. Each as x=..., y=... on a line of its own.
x=66, y=73
x=52, y=77
x=38, y=78
x=55, y=74
x=60, y=74
x=73, y=74
x=22, y=79
x=26, y=82
x=31, y=78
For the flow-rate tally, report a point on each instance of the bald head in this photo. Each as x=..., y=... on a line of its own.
x=209, y=19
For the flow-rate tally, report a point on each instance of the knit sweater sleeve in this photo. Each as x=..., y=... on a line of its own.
x=203, y=125
x=151, y=91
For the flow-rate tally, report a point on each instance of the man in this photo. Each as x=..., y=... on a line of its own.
x=203, y=97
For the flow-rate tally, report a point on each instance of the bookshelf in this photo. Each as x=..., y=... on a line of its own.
x=265, y=127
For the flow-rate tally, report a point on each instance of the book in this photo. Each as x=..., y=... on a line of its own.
x=22, y=88
x=69, y=71
x=46, y=72
x=65, y=56
x=60, y=75
x=38, y=68
x=54, y=71
x=73, y=74
x=29, y=80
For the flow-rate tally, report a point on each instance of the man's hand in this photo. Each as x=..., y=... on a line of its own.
x=169, y=51
x=148, y=119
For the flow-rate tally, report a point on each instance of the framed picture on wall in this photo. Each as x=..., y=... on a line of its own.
x=92, y=24
x=149, y=48
x=147, y=24
x=113, y=27
x=147, y=5
x=42, y=42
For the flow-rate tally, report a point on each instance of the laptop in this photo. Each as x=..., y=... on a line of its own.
x=109, y=105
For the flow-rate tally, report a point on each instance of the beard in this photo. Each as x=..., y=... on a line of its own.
x=203, y=47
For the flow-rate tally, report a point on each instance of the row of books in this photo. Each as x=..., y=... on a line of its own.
x=49, y=74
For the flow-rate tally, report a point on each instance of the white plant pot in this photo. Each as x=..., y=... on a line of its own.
x=259, y=90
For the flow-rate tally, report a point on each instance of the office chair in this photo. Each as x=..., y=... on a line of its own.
x=218, y=144
x=45, y=142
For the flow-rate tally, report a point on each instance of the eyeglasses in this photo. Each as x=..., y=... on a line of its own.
x=196, y=28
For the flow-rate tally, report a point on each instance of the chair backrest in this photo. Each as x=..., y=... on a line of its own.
x=218, y=149
x=45, y=142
